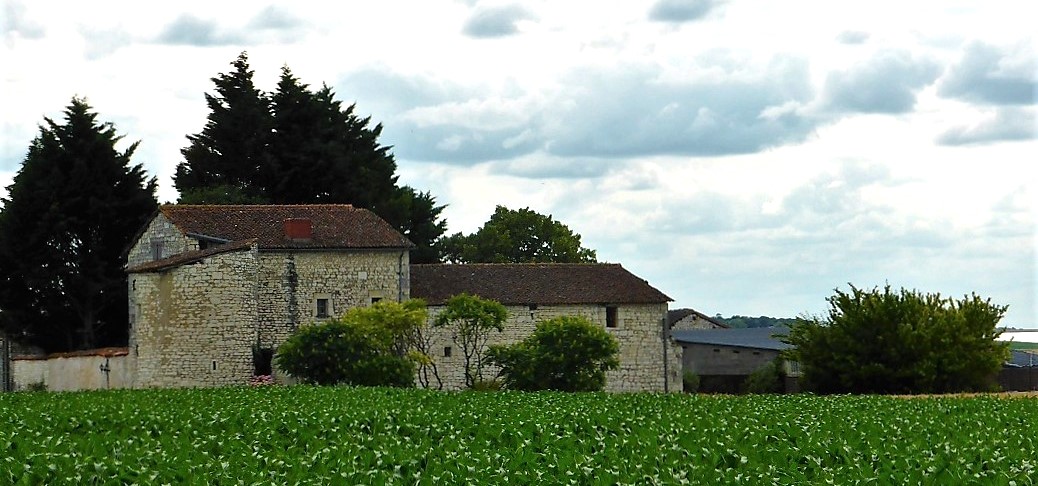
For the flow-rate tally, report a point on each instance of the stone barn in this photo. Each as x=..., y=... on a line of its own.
x=215, y=289
x=626, y=306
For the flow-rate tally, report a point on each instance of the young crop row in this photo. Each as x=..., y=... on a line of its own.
x=309, y=435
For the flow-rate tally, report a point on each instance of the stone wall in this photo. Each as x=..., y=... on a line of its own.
x=98, y=369
x=160, y=231
x=638, y=330
x=5, y=363
x=196, y=324
x=291, y=282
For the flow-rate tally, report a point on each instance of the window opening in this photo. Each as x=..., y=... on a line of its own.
x=611, y=316
x=322, y=308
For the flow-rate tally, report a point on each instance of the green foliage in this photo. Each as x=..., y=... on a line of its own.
x=742, y=322
x=769, y=378
x=471, y=319
x=689, y=381
x=299, y=145
x=566, y=353
x=74, y=207
x=342, y=435
x=517, y=236
x=882, y=341
x=372, y=346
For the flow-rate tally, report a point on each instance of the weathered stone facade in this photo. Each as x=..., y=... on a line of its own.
x=208, y=311
x=195, y=325
x=291, y=282
x=638, y=330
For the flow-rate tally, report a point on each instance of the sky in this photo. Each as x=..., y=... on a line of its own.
x=745, y=157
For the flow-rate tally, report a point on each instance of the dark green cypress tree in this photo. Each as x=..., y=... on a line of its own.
x=225, y=162
x=70, y=214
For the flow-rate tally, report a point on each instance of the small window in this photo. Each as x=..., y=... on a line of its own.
x=214, y=365
x=735, y=351
x=717, y=350
x=611, y=316
x=322, y=308
x=533, y=307
x=447, y=351
x=756, y=353
x=375, y=300
x=156, y=249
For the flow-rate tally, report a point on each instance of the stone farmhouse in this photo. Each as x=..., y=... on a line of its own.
x=214, y=290
x=626, y=306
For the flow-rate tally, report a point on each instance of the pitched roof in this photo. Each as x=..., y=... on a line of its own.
x=190, y=257
x=334, y=225
x=534, y=283
x=675, y=315
x=753, y=337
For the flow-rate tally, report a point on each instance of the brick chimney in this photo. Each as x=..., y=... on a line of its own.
x=299, y=229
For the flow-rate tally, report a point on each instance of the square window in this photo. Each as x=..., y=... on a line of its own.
x=322, y=308
x=611, y=316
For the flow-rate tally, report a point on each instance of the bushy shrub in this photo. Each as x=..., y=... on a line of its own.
x=769, y=378
x=565, y=353
x=367, y=346
x=690, y=381
x=886, y=341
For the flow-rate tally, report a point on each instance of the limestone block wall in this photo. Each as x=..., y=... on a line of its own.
x=196, y=324
x=159, y=230
x=75, y=371
x=638, y=330
x=291, y=282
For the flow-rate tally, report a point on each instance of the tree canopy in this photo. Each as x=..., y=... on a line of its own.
x=517, y=236
x=299, y=145
x=885, y=341
x=70, y=214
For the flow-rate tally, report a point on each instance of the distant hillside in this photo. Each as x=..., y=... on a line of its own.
x=740, y=322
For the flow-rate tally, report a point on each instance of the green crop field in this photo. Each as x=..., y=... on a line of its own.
x=306, y=435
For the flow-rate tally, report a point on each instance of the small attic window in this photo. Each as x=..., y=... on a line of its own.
x=156, y=249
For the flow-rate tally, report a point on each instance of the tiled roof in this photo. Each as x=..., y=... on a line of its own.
x=334, y=225
x=534, y=283
x=754, y=337
x=190, y=257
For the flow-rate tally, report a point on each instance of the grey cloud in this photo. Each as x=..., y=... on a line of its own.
x=852, y=37
x=617, y=114
x=886, y=84
x=501, y=21
x=597, y=114
x=274, y=18
x=100, y=43
x=190, y=30
x=682, y=10
x=986, y=74
x=16, y=23
x=1008, y=124
x=551, y=168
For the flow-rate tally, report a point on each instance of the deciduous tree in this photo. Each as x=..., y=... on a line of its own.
x=471, y=319
x=70, y=214
x=517, y=236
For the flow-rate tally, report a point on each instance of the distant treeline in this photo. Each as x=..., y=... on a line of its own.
x=740, y=322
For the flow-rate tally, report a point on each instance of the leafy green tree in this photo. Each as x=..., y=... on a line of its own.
x=566, y=353
x=72, y=210
x=517, y=236
x=471, y=319
x=372, y=346
x=882, y=341
x=299, y=146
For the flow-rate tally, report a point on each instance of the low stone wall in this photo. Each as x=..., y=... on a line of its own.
x=95, y=369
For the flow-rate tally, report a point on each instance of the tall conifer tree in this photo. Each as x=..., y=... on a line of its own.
x=70, y=214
